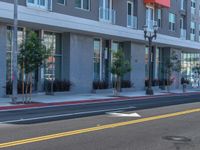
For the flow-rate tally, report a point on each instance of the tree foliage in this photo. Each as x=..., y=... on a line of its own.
x=32, y=53
x=196, y=69
x=119, y=67
x=172, y=64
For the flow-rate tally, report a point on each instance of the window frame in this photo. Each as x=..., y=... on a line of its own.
x=130, y=3
x=61, y=3
x=36, y=4
x=82, y=5
x=159, y=17
x=172, y=23
x=192, y=30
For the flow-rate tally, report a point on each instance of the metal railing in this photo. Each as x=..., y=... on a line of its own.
x=41, y=4
x=183, y=34
x=132, y=21
x=150, y=24
x=107, y=15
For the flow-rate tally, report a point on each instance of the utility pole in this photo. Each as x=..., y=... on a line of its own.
x=14, y=54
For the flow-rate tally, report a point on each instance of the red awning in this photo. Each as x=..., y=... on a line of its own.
x=163, y=3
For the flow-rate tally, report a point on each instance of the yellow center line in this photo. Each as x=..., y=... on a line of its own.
x=92, y=129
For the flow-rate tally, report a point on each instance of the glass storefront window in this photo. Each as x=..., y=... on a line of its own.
x=9, y=55
x=115, y=46
x=9, y=51
x=53, y=65
x=103, y=57
x=52, y=70
x=97, y=60
x=188, y=63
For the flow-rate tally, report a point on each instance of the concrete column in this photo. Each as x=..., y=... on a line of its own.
x=165, y=56
x=81, y=62
x=127, y=52
x=138, y=65
x=66, y=56
x=3, y=41
x=40, y=83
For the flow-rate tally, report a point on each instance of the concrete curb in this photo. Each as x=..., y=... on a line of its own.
x=54, y=104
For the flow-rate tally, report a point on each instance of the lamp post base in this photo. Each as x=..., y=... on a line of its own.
x=149, y=91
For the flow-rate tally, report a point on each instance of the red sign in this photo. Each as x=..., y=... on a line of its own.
x=163, y=3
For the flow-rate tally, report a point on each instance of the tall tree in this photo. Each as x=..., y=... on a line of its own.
x=32, y=55
x=119, y=67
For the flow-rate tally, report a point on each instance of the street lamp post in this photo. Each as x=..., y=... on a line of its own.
x=14, y=54
x=150, y=36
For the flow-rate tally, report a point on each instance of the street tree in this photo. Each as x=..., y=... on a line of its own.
x=119, y=67
x=171, y=65
x=32, y=55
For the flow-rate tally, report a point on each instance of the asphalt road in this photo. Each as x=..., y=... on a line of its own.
x=36, y=115
x=175, y=127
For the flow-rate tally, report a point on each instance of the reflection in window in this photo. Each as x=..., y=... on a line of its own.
x=52, y=69
x=83, y=4
x=9, y=50
x=188, y=62
x=97, y=60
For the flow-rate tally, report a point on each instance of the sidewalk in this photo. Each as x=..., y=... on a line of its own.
x=42, y=100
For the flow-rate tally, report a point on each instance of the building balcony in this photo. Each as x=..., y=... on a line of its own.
x=150, y=24
x=41, y=4
x=162, y=3
x=107, y=15
x=132, y=21
x=183, y=34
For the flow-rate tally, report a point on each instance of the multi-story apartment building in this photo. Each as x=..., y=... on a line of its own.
x=84, y=33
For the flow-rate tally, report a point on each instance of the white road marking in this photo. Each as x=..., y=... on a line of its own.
x=136, y=115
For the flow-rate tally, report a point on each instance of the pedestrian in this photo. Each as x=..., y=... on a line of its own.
x=183, y=82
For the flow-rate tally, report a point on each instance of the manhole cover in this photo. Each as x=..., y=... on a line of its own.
x=177, y=138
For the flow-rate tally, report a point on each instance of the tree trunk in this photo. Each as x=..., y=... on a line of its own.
x=30, y=96
x=118, y=84
x=178, y=80
x=115, y=92
x=168, y=82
